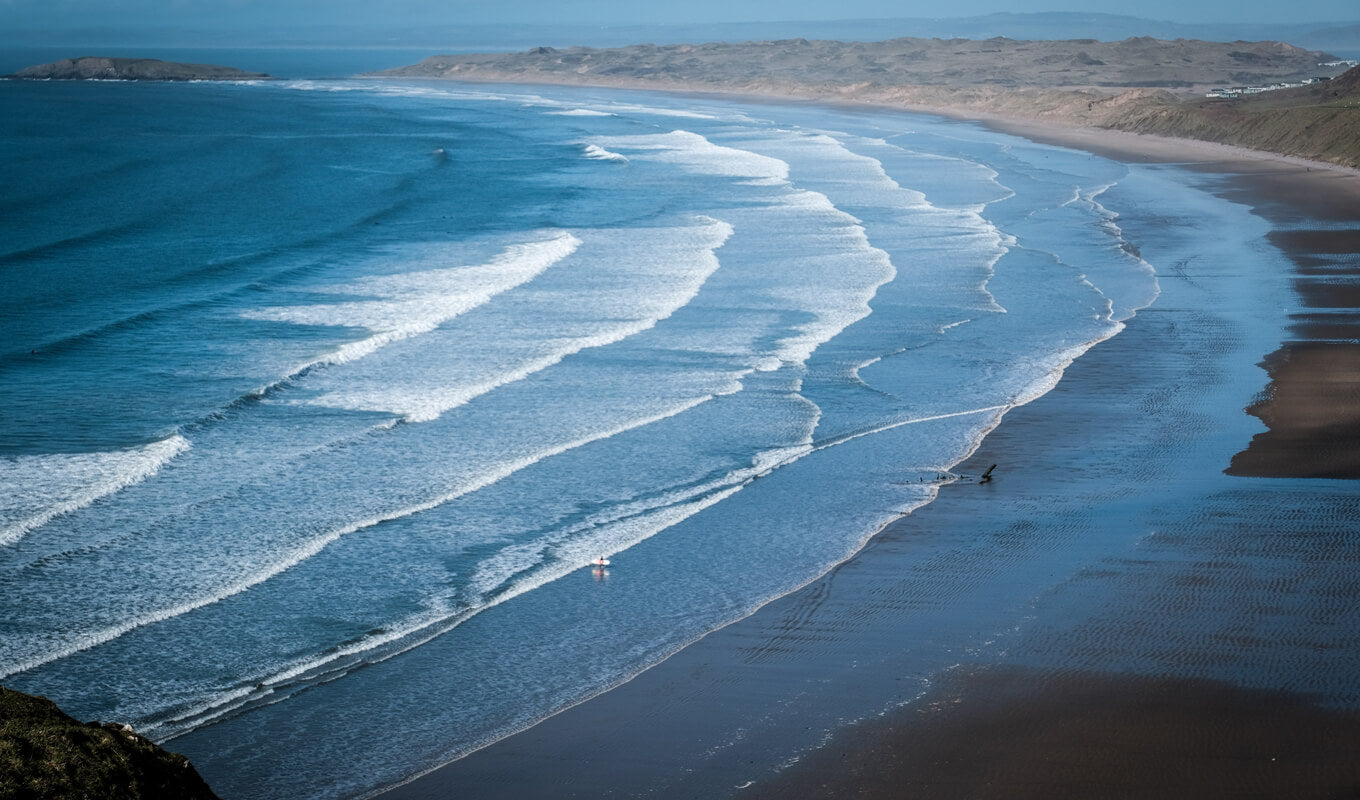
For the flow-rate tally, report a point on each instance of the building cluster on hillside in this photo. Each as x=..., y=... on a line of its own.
x=1238, y=91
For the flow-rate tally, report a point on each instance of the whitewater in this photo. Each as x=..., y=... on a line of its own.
x=306, y=445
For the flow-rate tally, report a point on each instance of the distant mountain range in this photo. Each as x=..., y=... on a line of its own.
x=1341, y=37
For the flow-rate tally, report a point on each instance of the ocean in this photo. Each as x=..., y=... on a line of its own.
x=319, y=396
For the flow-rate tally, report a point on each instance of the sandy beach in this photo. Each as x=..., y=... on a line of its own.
x=1011, y=733
x=1204, y=647
x=1312, y=402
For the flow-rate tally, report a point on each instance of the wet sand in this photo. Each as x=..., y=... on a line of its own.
x=1000, y=732
x=1312, y=401
x=1112, y=616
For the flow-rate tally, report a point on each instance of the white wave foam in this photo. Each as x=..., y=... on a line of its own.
x=418, y=302
x=603, y=108
x=285, y=560
x=657, y=111
x=957, y=223
x=1125, y=300
x=628, y=294
x=497, y=573
x=34, y=490
x=598, y=153
x=996, y=410
x=427, y=89
x=440, y=616
x=694, y=153
x=518, y=569
x=624, y=525
x=426, y=404
x=828, y=267
x=511, y=571
x=947, y=181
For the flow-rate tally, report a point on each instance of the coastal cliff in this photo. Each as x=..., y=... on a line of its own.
x=90, y=68
x=45, y=754
x=1139, y=85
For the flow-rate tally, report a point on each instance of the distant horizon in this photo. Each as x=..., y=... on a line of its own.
x=21, y=25
x=236, y=14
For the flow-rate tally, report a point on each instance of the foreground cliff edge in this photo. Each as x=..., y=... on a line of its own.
x=46, y=754
x=98, y=68
x=1138, y=85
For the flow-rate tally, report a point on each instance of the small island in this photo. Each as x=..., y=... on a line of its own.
x=98, y=68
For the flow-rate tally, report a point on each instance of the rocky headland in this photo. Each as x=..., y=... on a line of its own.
x=1141, y=85
x=98, y=68
x=47, y=755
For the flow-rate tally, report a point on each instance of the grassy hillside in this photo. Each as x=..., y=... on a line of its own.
x=1125, y=85
x=1138, y=62
x=1319, y=122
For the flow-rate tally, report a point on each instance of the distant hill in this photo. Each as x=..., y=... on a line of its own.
x=1139, y=62
x=440, y=32
x=132, y=69
x=1141, y=85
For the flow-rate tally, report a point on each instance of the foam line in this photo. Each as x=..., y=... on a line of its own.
x=697, y=154
x=70, y=482
x=418, y=302
x=428, y=403
x=297, y=555
x=656, y=111
x=594, y=151
x=614, y=531
x=1124, y=312
x=860, y=269
x=525, y=262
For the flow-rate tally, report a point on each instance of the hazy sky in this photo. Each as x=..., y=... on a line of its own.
x=253, y=13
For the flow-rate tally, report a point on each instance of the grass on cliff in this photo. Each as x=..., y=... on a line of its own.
x=47, y=755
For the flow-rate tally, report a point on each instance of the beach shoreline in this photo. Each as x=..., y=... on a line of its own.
x=1091, y=635
x=1004, y=732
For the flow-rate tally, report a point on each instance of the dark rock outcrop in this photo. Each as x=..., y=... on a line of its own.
x=47, y=755
x=91, y=68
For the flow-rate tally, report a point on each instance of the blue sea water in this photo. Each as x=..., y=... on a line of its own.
x=314, y=393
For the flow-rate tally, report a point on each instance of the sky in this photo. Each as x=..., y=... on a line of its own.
x=233, y=14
